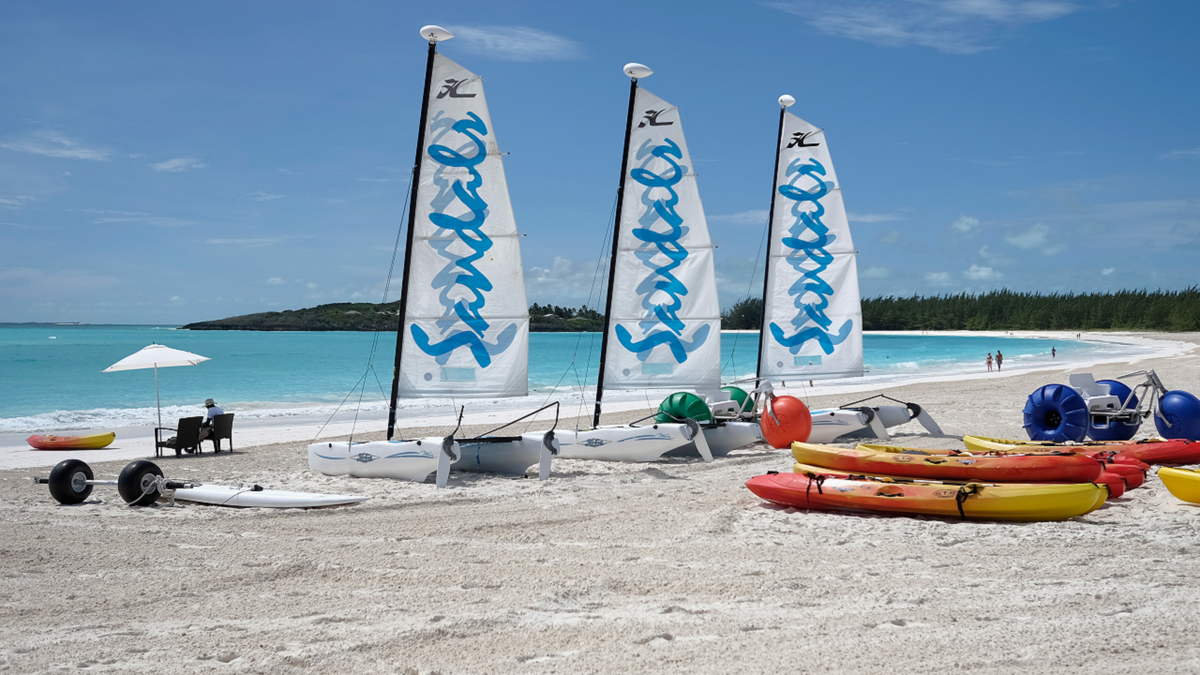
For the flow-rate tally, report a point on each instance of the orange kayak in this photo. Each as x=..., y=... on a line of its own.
x=51, y=442
x=1151, y=451
x=969, y=501
x=946, y=465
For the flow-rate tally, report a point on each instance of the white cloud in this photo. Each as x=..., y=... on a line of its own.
x=889, y=237
x=179, y=164
x=755, y=217
x=261, y=196
x=951, y=26
x=1182, y=154
x=871, y=217
x=515, y=43
x=54, y=144
x=966, y=224
x=977, y=273
x=310, y=286
x=1034, y=239
x=1108, y=270
x=566, y=283
x=16, y=201
x=938, y=278
x=264, y=241
x=144, y=219
x=177, y=300
x=274, y=281
x=876, y=273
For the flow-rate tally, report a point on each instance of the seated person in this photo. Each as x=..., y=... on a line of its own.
x=213, y=411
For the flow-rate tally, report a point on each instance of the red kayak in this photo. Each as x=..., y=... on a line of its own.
x=1115, y=482
x=1134, y=476
x=1152, y=451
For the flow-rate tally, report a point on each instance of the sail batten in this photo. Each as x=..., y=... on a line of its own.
x=664, y=318
x=466, y=323
x=812, y=326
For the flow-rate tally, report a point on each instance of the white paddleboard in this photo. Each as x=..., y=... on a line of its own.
x=247, y=496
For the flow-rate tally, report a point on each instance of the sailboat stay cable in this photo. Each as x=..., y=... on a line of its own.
x=749, y=286
x=612, y=262
x=371, y=370
x=412, y=216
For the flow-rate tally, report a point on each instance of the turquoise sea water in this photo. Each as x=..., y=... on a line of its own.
x=51, y=377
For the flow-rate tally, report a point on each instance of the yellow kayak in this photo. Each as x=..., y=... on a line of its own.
x=1183, y=483
x=52, y=442
x=1025, y=502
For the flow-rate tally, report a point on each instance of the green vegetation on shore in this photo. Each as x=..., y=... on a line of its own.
x=1168, y=311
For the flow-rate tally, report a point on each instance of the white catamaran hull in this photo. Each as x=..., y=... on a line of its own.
x=624, y=443
x=509, y=457
x=727, y=436
x=829, y=425
x=403, y=460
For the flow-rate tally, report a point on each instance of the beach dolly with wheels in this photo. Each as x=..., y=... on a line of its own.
x=141, y=483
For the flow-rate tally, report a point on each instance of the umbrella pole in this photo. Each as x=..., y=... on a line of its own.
x=157, y=398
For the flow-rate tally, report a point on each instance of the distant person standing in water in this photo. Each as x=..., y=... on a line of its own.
x=999, y=359
x=1052, y=352
x=989, y=362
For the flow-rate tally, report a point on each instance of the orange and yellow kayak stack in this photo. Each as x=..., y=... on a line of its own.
x=826, y=489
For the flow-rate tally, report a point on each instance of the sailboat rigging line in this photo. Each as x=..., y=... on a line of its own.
x=339, y=407
x=412, y=217
x=375, y=336
x=611, y=223
x=612, y=267
x=554, y=405
x=750, y=284
x=592, y=293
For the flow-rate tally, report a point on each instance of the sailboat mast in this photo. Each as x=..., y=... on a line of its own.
x=612, y=259
x=785, y=102
x=433, y=33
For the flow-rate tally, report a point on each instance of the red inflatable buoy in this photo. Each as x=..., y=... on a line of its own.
x=786, y=420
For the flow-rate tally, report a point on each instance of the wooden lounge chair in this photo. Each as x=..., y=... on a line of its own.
x=222, y=427
x=187, y=437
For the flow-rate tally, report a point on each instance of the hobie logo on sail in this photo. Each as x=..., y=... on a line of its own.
x=661, y=230
x=799, y=138
x=461, y=284
x=652, y=119
x=451, y=89
x=805, y=246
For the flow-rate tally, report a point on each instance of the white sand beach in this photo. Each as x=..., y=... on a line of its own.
x=672, y=566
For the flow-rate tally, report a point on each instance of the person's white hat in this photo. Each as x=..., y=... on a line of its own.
x=208, y=403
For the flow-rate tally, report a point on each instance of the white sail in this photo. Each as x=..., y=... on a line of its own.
x=665, y=325
x=813, y=317
x=467, y=323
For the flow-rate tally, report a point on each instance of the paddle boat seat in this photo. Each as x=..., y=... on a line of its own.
x=1096, y=396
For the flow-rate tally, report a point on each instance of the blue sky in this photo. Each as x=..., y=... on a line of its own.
x=175, y=162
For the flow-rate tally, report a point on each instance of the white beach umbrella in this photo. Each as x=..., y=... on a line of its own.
x=156, y=356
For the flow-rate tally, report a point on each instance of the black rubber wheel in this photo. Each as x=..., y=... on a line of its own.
x=137, y=483
x=67, y=481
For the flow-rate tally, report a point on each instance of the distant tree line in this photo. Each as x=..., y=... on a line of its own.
x=555, y=319
x=1168, y=311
